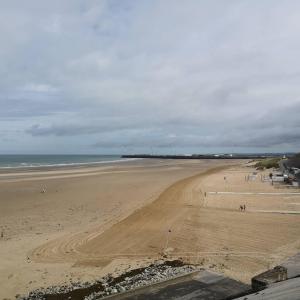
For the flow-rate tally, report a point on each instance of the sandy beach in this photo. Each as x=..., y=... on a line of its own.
x=91, y=221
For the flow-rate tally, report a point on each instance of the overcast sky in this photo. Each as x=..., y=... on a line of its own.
x=125, y=76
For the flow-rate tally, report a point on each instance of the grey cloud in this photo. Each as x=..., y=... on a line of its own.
x=264, y=141
x=69, y=129
x=166, y=74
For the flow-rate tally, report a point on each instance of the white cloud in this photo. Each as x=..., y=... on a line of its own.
x=39, y=88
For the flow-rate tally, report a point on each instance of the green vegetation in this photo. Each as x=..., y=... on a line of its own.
x=268, y=163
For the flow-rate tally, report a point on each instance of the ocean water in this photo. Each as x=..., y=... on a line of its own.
x=32, y=161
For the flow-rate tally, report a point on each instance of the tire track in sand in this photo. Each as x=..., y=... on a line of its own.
x=83, y=245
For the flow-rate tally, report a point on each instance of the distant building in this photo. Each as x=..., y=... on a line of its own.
x=291, y=169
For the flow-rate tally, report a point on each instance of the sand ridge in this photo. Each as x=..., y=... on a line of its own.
x=161, y=213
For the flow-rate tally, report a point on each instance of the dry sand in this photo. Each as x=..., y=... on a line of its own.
x=91, y=221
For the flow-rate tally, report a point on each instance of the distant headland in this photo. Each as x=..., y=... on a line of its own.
x=207, y=156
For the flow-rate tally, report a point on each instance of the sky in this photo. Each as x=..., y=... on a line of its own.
x=149, y=76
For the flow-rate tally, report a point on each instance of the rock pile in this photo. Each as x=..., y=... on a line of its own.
x=108, y=285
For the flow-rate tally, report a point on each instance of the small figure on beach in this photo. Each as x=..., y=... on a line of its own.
x=243, y=207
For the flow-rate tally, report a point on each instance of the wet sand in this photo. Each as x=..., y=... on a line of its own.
x=91, y=221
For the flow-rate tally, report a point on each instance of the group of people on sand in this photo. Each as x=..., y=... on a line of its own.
x=242, y=207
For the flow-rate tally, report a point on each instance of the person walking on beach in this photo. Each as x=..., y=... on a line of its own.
x=243, y=207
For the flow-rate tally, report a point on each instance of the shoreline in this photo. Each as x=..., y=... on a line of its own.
x=65, y=166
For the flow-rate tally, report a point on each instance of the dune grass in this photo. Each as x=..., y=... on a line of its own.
x=268, y=163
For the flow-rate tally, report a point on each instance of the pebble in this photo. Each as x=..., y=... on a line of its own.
x=159, y=271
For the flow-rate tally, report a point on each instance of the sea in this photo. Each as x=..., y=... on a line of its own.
x=35, y=161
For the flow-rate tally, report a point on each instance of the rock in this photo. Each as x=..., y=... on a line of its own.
x=122, y=289
x=156, y=272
